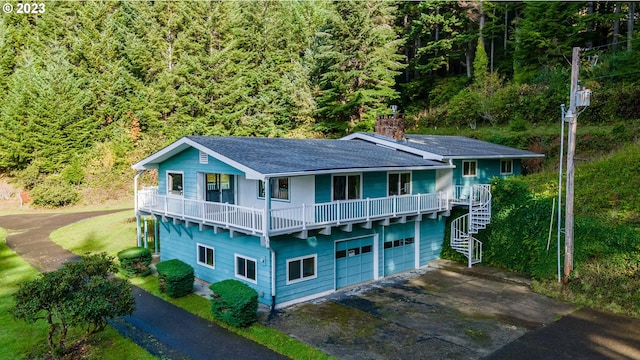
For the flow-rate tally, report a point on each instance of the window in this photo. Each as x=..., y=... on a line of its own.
x=279, y=188
x=346, y=187
x=300, y=269
x=246, y=268
x=469, y=168
x=399, y=184
x=506, y=167
x=206, y=256
x=174, y=183
x=397, y=243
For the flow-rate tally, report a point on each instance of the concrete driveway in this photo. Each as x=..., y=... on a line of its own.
x=431, y=313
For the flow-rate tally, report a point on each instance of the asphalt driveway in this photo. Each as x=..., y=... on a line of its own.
x=447, y=311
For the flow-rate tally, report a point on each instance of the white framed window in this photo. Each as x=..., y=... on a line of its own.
x=246, y=268
x=279, y=188
x=506, y=167
x=302, y=268
x=175, y=183
x=206, y=256
x=346, y=187
x=469, y=168
x=399, y=184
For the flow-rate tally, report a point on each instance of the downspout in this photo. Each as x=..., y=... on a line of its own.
x=266, y=221
x=273, y=280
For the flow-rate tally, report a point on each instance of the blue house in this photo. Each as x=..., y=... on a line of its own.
x=298, y=219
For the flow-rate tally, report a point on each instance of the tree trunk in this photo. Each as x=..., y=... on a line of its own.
x=616, y=26
x=506, y=27
x=632, y=11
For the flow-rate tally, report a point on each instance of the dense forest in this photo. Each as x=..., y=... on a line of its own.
x=89, y=87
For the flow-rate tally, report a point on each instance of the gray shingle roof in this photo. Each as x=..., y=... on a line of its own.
x=457, y=146
x=281, y=156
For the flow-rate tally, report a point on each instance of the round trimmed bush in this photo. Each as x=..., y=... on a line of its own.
x=135, y=261
x=234, y=302
x=175, y=277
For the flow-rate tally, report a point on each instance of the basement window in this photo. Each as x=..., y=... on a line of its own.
x=302, y=268
x=246, y=268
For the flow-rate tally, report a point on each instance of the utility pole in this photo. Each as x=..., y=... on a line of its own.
x=572, y=118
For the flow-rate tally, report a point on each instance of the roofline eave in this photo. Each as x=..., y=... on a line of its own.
x=357, y=170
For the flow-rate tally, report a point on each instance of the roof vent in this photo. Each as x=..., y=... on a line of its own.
x=204, y=157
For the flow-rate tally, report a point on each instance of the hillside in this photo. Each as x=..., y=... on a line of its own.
x=88, y=88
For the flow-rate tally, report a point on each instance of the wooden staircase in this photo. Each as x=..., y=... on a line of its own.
x=463, y=228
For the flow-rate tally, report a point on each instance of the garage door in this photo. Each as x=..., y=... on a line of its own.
x=354, y=261
x=399, y=255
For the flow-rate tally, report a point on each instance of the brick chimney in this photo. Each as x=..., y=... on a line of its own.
x=392, y=125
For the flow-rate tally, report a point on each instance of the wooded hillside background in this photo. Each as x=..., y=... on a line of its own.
x=87, y=88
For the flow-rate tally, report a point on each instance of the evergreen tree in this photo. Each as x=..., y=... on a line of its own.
x=45, y=114
x=357, y=61
x=545, y=36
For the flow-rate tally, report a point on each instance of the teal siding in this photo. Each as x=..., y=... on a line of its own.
x=188, y=162
x=374, y=184
x=487, y=170
x=323, y=188
x=431, y=238
x=288, y=247
x=517, y=167
x=179, y=242
x=423, y=181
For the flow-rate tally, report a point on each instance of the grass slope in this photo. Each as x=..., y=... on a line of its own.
x=19, y=340
x=110, y=233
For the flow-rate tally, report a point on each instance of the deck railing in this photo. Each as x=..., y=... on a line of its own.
x=295, y=218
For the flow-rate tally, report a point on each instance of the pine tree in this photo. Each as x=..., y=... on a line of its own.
x=45, y=114
x=357, y=61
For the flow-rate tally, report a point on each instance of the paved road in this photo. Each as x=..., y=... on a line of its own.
x=161, y=328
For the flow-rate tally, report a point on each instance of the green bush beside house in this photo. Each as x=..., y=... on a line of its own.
x=175, y=277
x=234, y=302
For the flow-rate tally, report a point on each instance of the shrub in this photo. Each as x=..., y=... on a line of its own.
x=54, y=191
x=175, y=277
x=135, y=261
x=80, y=295
x=234, y=302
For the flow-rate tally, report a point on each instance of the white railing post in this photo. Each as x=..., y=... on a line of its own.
x=418, y=210
x=338, y=214
x=394, y=204
x=469, y=256
x=368, y=207
x=226, y=214
x=304, y=217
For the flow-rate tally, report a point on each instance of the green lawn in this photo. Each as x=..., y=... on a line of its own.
x=115, y=232
x=19, y=340
x=109, y=233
